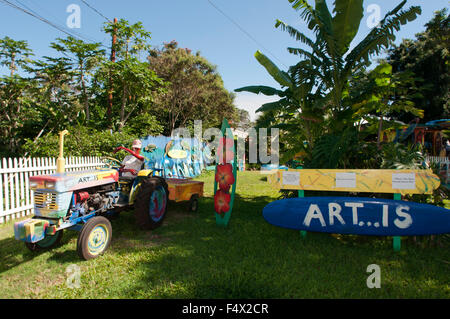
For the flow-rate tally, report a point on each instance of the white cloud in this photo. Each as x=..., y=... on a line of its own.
x=251, y=102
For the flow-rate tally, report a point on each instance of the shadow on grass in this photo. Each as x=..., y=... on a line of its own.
x=253, y=259
x=248, y=259
x=208, y=261
x=14, y=252
x=190, y=257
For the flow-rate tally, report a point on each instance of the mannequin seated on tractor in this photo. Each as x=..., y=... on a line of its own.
x=131, y=164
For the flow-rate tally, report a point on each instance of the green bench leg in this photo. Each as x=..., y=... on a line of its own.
x=397, y=240
x=301, y=193
x=397, y=243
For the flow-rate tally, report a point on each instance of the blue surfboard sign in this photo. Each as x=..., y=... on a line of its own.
x=358, y=216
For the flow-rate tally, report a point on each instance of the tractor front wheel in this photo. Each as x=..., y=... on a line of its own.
x=94, y=238
x=48, y=242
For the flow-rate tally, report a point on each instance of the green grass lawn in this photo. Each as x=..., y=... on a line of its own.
x=191, y=257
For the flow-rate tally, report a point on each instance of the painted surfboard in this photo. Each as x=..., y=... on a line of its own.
x=354, y=180
x=225, y=176
x=358, y=216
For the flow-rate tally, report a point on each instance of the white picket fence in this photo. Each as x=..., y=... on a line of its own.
x=437, y=159
x=16, y=198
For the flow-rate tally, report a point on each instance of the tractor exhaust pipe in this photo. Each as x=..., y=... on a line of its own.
x=60, y=162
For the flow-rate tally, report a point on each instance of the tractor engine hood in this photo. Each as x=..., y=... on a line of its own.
x=72, y=181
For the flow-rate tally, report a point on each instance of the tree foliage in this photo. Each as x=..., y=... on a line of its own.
x=330, y=57
x=15, y=97
x=70, y=90
x=314, y=92
x=427, y=57
x=85, y=57
x=379, y=92
x=14, y=54
x=195, y=89
x=82, y=141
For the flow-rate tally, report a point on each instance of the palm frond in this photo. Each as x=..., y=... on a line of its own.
x=323, y=15
x=380, y=37
x=299, y=36
x=280, y=76
x=308, y=14
x=308, y=69
x=303, y=53
x=273, y=106
x=266, y=90
x=348, y=16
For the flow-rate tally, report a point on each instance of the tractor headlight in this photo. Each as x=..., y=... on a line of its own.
x=33, y=184
x=49, y=184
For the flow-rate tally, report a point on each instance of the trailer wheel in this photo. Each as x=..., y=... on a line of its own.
x=49, y=242
x=150, y=205
x=193, y=203
x=94, y=238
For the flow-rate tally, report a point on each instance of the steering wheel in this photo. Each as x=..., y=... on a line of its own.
x=111, y=162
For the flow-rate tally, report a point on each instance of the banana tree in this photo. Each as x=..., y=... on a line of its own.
x=297, y=113
x=330, y=56
x=312, y=91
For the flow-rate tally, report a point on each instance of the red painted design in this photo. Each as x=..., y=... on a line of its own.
x=224, y=176
x=222, y=202
x=114, y=175
x=45, y=178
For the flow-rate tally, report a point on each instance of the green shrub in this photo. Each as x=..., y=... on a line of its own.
x=81, y=141
x=346, y=150
x=399, y=156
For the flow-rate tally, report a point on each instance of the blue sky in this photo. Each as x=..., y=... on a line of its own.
x=228, y=36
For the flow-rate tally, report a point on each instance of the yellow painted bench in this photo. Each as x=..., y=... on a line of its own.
x=397, y=182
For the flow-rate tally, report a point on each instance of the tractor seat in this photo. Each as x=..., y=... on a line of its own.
x=126, y=178
x=129, y=178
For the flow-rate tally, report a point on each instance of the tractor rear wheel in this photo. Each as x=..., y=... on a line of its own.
x=150, y=205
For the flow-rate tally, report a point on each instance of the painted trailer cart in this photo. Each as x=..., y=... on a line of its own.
x=185, y=190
